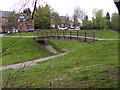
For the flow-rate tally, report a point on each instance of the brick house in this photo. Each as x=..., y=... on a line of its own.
x=4, y=20
x=24, y=23
x=65, y=22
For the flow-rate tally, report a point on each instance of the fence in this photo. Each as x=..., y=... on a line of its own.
x=66, y=34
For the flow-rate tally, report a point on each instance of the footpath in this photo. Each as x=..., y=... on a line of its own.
x=29, y=63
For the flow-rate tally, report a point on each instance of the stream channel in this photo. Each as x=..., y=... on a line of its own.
x=47, y=46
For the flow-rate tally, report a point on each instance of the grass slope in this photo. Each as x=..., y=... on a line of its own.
x=6, y=41
x=63, y=46
x=87, y=66
x=108, y=34
x=24, y=49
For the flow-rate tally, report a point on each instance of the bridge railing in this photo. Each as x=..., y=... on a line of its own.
x=68, y=33
x=42, y=33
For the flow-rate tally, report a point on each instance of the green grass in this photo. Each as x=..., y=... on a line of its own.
x=108, y=34
x=63, y=46
x=24, y=49
x=86, y=66
x=7, y=41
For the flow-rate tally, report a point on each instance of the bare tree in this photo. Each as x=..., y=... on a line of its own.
x=78, y=16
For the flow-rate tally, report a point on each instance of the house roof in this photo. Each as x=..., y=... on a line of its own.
x=4, y=13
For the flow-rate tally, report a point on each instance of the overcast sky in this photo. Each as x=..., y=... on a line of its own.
x=64, y=7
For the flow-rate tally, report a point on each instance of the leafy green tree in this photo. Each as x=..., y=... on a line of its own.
x=108, y=20
x=108, y=16
x=115, y=21
x=99, y=21
x=43, y=17
x=86, y=23
x=94, y=23
x=12, y=21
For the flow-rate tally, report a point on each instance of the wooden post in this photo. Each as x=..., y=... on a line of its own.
x=93, y=36
x=70, y=34
x=77, y=34
x=37, y=34
x=34, y=34
x=57, y=34
x=52, y=34
x=46, y=35
x=100, y=34
x=63, y=34
x=42, y=33
x=85, y=36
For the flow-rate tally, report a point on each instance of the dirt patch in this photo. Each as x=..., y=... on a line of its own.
x=65, y=49
x=113, y=73
x=47, y=46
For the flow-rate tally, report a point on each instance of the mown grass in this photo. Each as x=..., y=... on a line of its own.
x=6, y=41
x=107, y=34
x=24, y=49
x=63, y=46
x=87, y=66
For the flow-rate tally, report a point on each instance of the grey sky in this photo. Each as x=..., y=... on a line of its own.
x=64, y=7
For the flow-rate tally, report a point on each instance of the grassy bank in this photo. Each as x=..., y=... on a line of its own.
x=107, y=34
x=86, y=66
x=23, y=49
x=63, y=46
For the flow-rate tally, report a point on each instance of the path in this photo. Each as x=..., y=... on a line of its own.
x=30, y=63
x=1, y=35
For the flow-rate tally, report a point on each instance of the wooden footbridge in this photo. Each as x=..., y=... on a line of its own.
x=68, y=35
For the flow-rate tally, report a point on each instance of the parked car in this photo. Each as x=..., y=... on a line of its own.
x=61, y=28
x=14, y=31
x=66, y=28
x=8, y=32
x=30, y=30
x=71, y=28
x=77, y=28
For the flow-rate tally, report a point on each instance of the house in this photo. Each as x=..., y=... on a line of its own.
x=63, y=22
x=4, y=20
x=25, y=23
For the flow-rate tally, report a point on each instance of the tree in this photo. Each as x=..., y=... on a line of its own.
x=99, y=22
x=86, y=23
x=78, y=16
x=12, y=21
x=75, y=21
x=42, y=17
x=27, y=11
x=115, y=21
x=108, y=20
x=108, y=16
